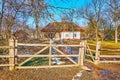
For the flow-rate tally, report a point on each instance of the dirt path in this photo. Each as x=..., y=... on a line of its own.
x=105, y=71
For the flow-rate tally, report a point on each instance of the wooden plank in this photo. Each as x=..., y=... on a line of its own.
x=11, y=53
x=3, y=65
x=6, y=56
x=97, y=55
x=110, y=56
x=50, y=50
x=5, y=47
x=64, y=45
x=53, y=66
x=82, y=53
x=111, y=50
x=64, y=54
x=34, y=54
x=79, y=56
x=111, y=53
x=16, y=51
x=88, y=48
x=109, y=61
x=47, y=55
x=26, y=44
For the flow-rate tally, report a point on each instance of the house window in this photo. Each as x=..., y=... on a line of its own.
x=66, y=35
x=75, y=35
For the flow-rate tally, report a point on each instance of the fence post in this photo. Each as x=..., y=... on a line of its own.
x=50, y=49
x=81, y=53
x=11, y=53
x=16, y=41
x=97, y=55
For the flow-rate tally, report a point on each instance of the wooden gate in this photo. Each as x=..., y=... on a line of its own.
x=92, y=52
x=67, y=58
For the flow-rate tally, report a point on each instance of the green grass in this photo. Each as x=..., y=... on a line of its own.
x=110, y=44
x=37, y=62
x=107, y=45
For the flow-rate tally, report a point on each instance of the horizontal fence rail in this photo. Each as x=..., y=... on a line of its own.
x=35, y=67
x=4, y=65
x=13, y=55
x=110, y=56
x=111, y=50
x=5, y=47
x=109, y=61
x=83, y=51
x=58, y=45
x=47, y=55
x=99, y=57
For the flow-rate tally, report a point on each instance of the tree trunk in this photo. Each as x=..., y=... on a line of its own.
x=3, y=2
x=37, y=32
x=116, y=26
x=96, y=34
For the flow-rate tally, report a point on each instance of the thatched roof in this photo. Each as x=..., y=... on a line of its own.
x=61, y=27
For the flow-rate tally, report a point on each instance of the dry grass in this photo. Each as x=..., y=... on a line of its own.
x=39, y=74
x=111, y=67
x=58, y=73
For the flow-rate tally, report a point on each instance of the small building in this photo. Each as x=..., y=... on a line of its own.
x=62, y=30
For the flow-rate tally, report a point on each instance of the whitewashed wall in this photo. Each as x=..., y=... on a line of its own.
x=70, y=35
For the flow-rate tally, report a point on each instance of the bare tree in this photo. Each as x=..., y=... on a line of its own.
x=113, y=9
x=93, y=13
x=1, y=14
x=39, y=11
x=12, y=15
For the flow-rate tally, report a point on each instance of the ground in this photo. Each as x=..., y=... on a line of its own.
x=64, y=73
x=99, y=72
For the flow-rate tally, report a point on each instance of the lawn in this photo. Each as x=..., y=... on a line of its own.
x=107, y=45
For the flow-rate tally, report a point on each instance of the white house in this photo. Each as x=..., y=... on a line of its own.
x=70, y=35
x=62, y=30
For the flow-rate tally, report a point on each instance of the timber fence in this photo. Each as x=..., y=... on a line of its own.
x=13, y=55
x=97, y=55
x=83, y=51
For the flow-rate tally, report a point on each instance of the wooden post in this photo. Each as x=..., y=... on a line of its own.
x=97, y=55
x=16, y=51
x=81, y=53
x=85, y=46
x=11, y=53
x=50, y=49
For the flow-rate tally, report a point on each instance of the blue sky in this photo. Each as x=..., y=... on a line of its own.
x=68, y=3
x=61, y=3
x=65, y=4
